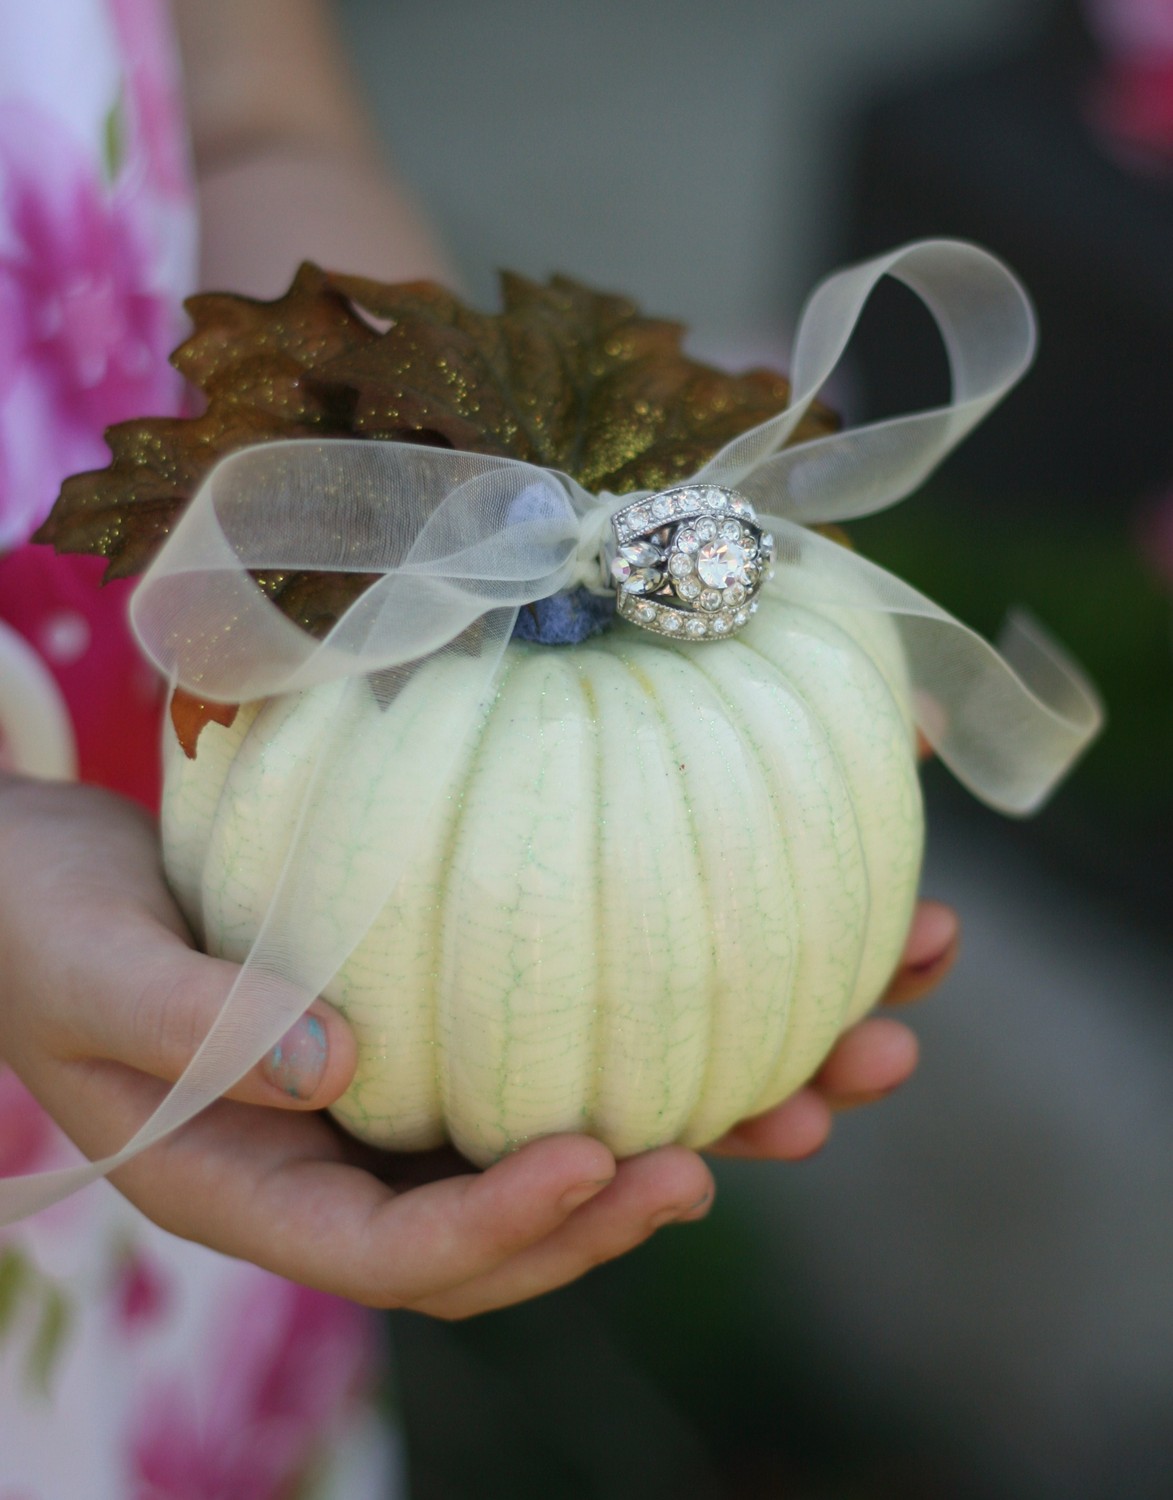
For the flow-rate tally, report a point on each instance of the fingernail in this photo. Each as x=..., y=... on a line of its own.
x=297, y=1063
x=680, y=1212
x=576, y=1196
x=701, y=1207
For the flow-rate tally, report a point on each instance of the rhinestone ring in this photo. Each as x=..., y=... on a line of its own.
x=689, y=561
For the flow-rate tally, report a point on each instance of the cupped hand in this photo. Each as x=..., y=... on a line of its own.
x=104, y=1001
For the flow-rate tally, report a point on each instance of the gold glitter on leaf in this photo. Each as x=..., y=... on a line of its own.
x=563, y=376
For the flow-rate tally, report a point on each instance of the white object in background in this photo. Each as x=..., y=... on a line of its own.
x=35, y=730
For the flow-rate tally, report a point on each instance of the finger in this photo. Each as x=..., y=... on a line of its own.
x=929, y=953
x=668, y=1185
x=793, y=1130
x=274, y=1188
x=324, y=1223
x=157, y=1027
x=343, y=1229
x=868, y=1062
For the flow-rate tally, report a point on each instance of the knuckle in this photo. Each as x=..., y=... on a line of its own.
x=171, y=1011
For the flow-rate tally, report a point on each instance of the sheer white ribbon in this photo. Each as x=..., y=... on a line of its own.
x=463, y=540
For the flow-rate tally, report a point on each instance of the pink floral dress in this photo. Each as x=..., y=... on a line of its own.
x=133, y=1365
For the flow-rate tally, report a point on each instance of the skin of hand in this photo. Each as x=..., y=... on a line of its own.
x=106, y=1000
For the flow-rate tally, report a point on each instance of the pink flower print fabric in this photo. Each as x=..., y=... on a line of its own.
x=153, y=101
x=29, y=1141
x=246, y=1426
x=85, y=340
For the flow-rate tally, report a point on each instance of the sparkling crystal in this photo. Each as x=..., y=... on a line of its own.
x=711, y=599
x=638, y=568
x=731, y=531
x=688, y=588
x=734, y=594
x=680, y=566
x=706, y=530
x=638, y=519
x=669, y=621
x=750, y=543
x=721, y=625
x=688, y=541
x=715, y=500
x=646, y=613
x=741, y=617
x=721, y=563
x=753, y=609
x=695, y=627
x=739, y=508
x=661, y=509
x=768, y=542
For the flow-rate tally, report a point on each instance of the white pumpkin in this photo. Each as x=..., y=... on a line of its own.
x=662, y=881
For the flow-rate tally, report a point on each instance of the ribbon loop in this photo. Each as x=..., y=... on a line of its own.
x=988, y=329
x=462, y=538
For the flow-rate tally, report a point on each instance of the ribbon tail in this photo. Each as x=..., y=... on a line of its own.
x=1009, y=722
x=319, y=912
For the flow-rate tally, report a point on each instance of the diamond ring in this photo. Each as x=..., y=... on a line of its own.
x=688, y=562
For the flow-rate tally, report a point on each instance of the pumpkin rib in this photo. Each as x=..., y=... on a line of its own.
x=746, y=1010
x=873, y=974
x=387, y=985
x=704, y=883
x=413, y=1118
x=704, y=663
x=595, y=1071
x=799, y=1059
x=446, y=858
x=869, y=903
x=498, y=1128
x=394, y=1053
x=652, y=968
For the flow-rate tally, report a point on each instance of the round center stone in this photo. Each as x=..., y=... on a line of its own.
x=722, y=564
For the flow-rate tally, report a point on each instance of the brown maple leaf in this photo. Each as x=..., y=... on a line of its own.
x=563, y=376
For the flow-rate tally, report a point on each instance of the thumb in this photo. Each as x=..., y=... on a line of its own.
x=178, y=997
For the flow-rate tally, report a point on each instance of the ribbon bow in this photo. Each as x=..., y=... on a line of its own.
x=467, y=539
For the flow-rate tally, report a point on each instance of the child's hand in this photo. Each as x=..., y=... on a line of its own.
x=104, y=1001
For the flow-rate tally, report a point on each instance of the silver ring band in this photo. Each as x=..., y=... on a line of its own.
x=688, y=562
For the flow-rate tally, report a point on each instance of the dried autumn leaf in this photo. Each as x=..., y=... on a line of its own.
x=189, y=715
x=251, y=360
x=564, y=376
